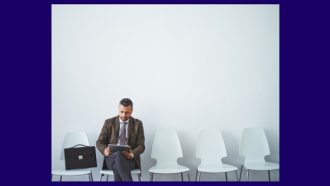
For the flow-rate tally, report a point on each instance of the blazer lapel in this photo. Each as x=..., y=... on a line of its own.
x=117, y=126
x=130, y=129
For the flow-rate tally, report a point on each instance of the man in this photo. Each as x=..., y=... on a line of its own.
x=122, y=130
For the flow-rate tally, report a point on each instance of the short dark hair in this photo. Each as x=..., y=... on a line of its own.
x=126, y=102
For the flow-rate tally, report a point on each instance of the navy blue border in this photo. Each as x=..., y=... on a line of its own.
x=26, y=87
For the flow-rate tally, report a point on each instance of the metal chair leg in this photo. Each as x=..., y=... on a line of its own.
x=181, y=176
x=91, y=176
x=60, y=178
x=200, y=175
x=151, y=177
x=107, y=178
x=240, y=174
x=237, y=175
x=196, y=175
x=188, y=176
x=269, y=175
x=139, y=177
x=247, y=174
x=226, y=176
x=101, y=177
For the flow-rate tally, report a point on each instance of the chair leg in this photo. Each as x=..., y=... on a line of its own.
x=237, y=175
x=151, y=177
x=91, y=176
x=269, y=175
x=107, y=178
x=60, y=178
x=240, y=173
x=188, y=176
x=51, y=178
x=181, y=176
x=200, y=175
x=101, y=177
x=226, y=176
x=247, y=174
x=196, y=175
x=139, y=177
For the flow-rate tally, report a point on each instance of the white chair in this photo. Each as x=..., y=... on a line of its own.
x=106, y=172
x=254, y=147
x=71, y=139
x=166, y=149
x=211, y=149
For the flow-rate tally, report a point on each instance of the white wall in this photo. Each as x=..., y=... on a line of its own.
x=186, y=67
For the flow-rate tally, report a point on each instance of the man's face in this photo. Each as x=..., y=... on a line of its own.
x=125, y=112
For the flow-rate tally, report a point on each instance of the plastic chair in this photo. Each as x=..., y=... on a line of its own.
x=108, y=173
x=211, y=149
x=71, y=139
x=166, y=149
x=254, y=147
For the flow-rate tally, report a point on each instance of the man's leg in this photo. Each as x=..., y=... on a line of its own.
x=110, y=162
x=116, y=174
x=121, y=166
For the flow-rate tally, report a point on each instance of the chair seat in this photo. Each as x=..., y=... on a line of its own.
x=71, y=172
x=168, y=169
x=110, y=172
x=261, y=165
x=216, y=168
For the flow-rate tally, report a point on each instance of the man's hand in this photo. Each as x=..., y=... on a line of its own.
x=107, y=151
x=127, y=154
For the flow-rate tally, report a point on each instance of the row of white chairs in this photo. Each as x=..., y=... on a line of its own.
x=210, y=148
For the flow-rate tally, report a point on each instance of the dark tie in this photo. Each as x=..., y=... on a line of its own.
x=122, y=136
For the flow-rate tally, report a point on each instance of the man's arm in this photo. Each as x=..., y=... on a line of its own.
x=139, y=142
x=102, y=141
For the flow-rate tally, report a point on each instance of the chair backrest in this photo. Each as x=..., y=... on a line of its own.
x=210, y=147
x=254, y=144
x=73, y=138
x=166, y=148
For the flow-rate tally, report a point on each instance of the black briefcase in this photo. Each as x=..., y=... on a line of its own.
x=80, y=157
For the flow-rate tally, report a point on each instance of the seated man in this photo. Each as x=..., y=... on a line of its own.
x=122, y=130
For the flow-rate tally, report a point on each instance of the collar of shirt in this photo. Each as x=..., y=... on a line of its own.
x=122, y=122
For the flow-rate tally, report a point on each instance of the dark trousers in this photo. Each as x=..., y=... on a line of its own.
x=120, y=166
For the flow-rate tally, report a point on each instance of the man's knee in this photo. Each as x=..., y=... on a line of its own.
x=117, y=155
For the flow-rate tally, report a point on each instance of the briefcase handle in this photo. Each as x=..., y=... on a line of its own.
x=79, y=145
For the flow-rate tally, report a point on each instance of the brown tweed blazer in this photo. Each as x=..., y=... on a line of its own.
x=110, y=135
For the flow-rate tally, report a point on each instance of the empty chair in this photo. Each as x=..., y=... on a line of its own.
x=107, y=172
x=166, y=149
x=211, y=149
x=71, y=139
x=254, y=147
